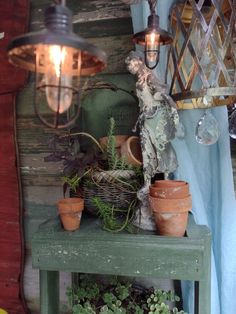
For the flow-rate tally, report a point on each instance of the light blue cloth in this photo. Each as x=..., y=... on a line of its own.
x=208, y=169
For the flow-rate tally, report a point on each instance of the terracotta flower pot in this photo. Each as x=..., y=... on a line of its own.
x=171, y=224
x=119, y=140
x=163, y=205
x=70, y=211
x=171, y=215
x=131, y=150
x=170, y=191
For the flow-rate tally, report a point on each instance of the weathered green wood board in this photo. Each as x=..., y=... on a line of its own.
x=91, y=250
x=97, y=251
x=83, y=10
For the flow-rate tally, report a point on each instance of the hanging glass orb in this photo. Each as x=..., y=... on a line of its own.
x=207, y=130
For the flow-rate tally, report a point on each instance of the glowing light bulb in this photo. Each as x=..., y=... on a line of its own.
x=152, y=48
x=58, y=91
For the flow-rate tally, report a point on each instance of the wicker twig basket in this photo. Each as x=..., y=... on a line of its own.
x=114, y=187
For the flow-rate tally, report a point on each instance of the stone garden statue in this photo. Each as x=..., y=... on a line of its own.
x=157, y=122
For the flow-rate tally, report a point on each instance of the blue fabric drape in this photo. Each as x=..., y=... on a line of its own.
x=208, y=169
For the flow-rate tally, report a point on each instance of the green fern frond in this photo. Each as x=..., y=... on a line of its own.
x=115, y=162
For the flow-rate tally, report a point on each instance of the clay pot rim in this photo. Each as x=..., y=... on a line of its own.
x=71, y=200
x=127, y=143
x=169, y=183
x=180, y=191
x=75, y=205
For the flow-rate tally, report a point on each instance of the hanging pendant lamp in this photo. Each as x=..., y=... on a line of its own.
x=152, y=37
x=59, y=58
x=202, y=60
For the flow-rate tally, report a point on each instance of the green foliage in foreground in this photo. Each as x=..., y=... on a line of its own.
x=119, y=297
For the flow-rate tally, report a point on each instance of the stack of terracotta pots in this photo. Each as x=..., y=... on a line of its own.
x=170, y=202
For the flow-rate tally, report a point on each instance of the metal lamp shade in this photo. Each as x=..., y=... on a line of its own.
x=72, y=57
x=22, y=51
x=163, y=38
x=202, y=59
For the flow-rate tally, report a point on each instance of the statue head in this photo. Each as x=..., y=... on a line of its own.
x=134, y=62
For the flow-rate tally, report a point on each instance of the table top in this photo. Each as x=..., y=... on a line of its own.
x=93, y=250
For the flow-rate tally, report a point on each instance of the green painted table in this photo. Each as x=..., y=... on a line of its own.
x=93, y=250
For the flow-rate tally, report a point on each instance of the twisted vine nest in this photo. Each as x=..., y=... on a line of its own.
x=116, y=187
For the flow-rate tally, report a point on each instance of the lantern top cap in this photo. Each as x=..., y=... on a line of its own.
x=153, y=27
x=58, y=31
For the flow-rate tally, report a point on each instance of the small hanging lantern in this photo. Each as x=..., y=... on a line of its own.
x=202, y=59
x=152, y=38
x=59, y=58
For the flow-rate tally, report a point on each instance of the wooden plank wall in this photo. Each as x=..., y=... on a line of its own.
x=108, y=25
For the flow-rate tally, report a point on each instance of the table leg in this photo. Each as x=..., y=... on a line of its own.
x=49, y=292
x=205, y=283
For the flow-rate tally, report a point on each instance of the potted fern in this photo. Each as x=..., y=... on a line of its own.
x=110, y=190
x=101, y=176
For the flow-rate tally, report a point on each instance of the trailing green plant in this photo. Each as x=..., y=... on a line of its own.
x=156, y=302
x=118, y=296
x=114, y=219
x=73, y=181
x=114, y=161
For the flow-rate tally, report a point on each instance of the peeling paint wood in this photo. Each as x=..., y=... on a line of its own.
x=32, y=135
x=104, y=28
x=36, y=172
x=83, y=11
x=117, y=49
x=92, y=250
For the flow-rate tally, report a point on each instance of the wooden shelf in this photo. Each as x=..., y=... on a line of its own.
x=93, y=250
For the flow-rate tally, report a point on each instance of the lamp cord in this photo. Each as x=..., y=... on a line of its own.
x=152, y=5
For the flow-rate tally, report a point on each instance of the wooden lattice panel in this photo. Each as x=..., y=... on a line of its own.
x=202, y=59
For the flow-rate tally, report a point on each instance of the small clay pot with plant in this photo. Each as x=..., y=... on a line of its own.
x=70, y=212
x=99, y=175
